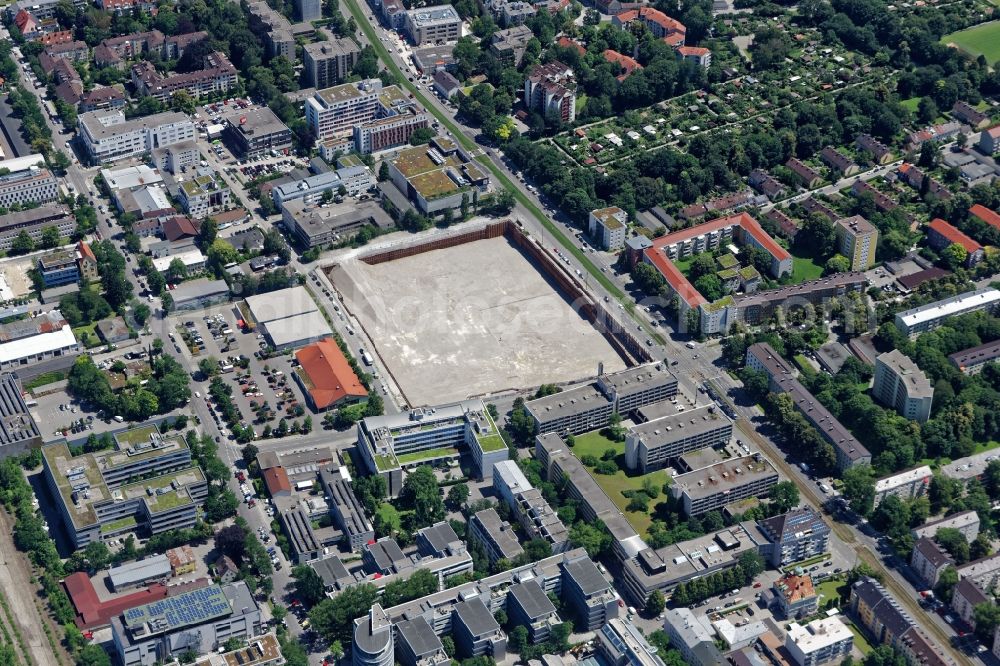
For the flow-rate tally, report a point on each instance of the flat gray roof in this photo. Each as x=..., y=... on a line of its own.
x=633, y=380
x=440, y=536
x=917, y=384
x=718, y=478
x=683, y=424
x=155, y=566
x=419, y=636
x=532, y=599
x=386, y=553
x=499, y=532
x=587, y=576
x=566, y=403
x=476, y=617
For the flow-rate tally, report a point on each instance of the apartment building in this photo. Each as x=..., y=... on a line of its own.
x=900, y=384
x=655, y=444
x=889, y=624
x=203, y=192
x=928, y=317
x=794, y=536
x=536, y=516
x=495, y=536
x=695, y=642
x=710, y=488
x=335, y=110
x=108, y=136
x=330, y=62
x=550, y=89
x=476, y=631
x=966, y=522
x=941, y=235
x=218, y=75
x=309, y=10
x=438, y=24
x=276, y=29
x=256, y=132
x=929, y=560
x=971, y=361
x=821, y=641
x=608, y=226
x=857, y=239
x=393, y=129
x=347, y=512
x=849, y=451
x=905, y=485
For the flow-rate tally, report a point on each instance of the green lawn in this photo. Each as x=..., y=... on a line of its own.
x=595, y=444
x=804, y=365
x=429, y=454
x=136, y=435
x=910, y=104
x=860, y=641
x=981, y=40
x=830, y=589
x=684, y=265
x=92, y=339
x=43, y=379
x=805, y=269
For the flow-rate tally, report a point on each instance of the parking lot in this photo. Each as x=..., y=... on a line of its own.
x=263, y=386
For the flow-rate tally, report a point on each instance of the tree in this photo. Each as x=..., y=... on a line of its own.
x=421, y=493
x=517, y=639
x=22, y=243
x=927, y=111
x=954, y=542
x=50, y=238
x=333, y=618
x=594, y=538
x=308, y=585
x=751, y=563
x=655, y=603
x=457, y=495
x=986, y=618
x=231, y=541
x=383, y=171
x=946, y=583
x=97, y=554
x=537, y=549
x=421, y=136
x=859, y=488
x=93, y=655
x=838, y=263
x=785, y=496
x=954, y=256
x=448, y=644
x=817, y=237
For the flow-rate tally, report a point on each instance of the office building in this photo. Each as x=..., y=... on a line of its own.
x=131, y=575
x=794, y=536
x=437, y=24
x=199, y=620
x=44, y=343
x=653, y=445
x=608, y=226
x=108, y=136
x=849, y=451
x=562, y=467
x=819, y=642
x=795, y=596
x=203, y=192
x=530, y=607
x=508, y=46
x=18, y=431
x=373, y=639
x=348, y=513
x=695, y=643
x=438, y=176
x=711, y=488
x=217, y=76
x=622, y=644
x=900, y=384
x=321, y=225
x=476, y=631
x=966, y=522
x=311, y=190
x=330, y=62
x=928, y=317
x=550, y=89
x=145, y=484
x=391, y=130
x=34, y=221
x=971, y=361
x=664, y=568
x=337, y=109
x=536, y=516
x=929, y=560
x=256, y=132
x=589, y=594
x=495, y=536
x=905, y=485
x=425, y=435
x=58, y=267
x=296, y=520
x=857, y=239
x=31, y=185
x=418, y=645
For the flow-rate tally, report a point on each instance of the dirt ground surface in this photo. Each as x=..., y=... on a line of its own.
x=21, y=595
x=469, y=321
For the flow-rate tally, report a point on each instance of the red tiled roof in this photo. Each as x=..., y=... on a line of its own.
x=674, y=39
x=86, y=252
x=330, y=373
x=651, y=15
x=627, y=63
x=680, y=284
x=568, y=43
x=692, y=51
x=744, y=220
x=91, y=612
x=986, y=215
x=276, y=480
x=954, y=235
x=179, y=227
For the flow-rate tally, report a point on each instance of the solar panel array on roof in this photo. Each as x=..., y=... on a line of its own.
x=190, y=608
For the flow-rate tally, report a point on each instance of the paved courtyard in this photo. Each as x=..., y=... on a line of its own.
x=470, y=320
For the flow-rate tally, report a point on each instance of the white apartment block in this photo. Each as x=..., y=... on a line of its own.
x=820, y=642
x=108, y=136
x=433, y=25
x=900, y=384
x=337, y=109
x=905, y=485
x=608, y=226
x=32, y=186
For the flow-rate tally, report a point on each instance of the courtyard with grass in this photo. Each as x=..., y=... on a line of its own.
x=595, y=444
x=982, y=40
